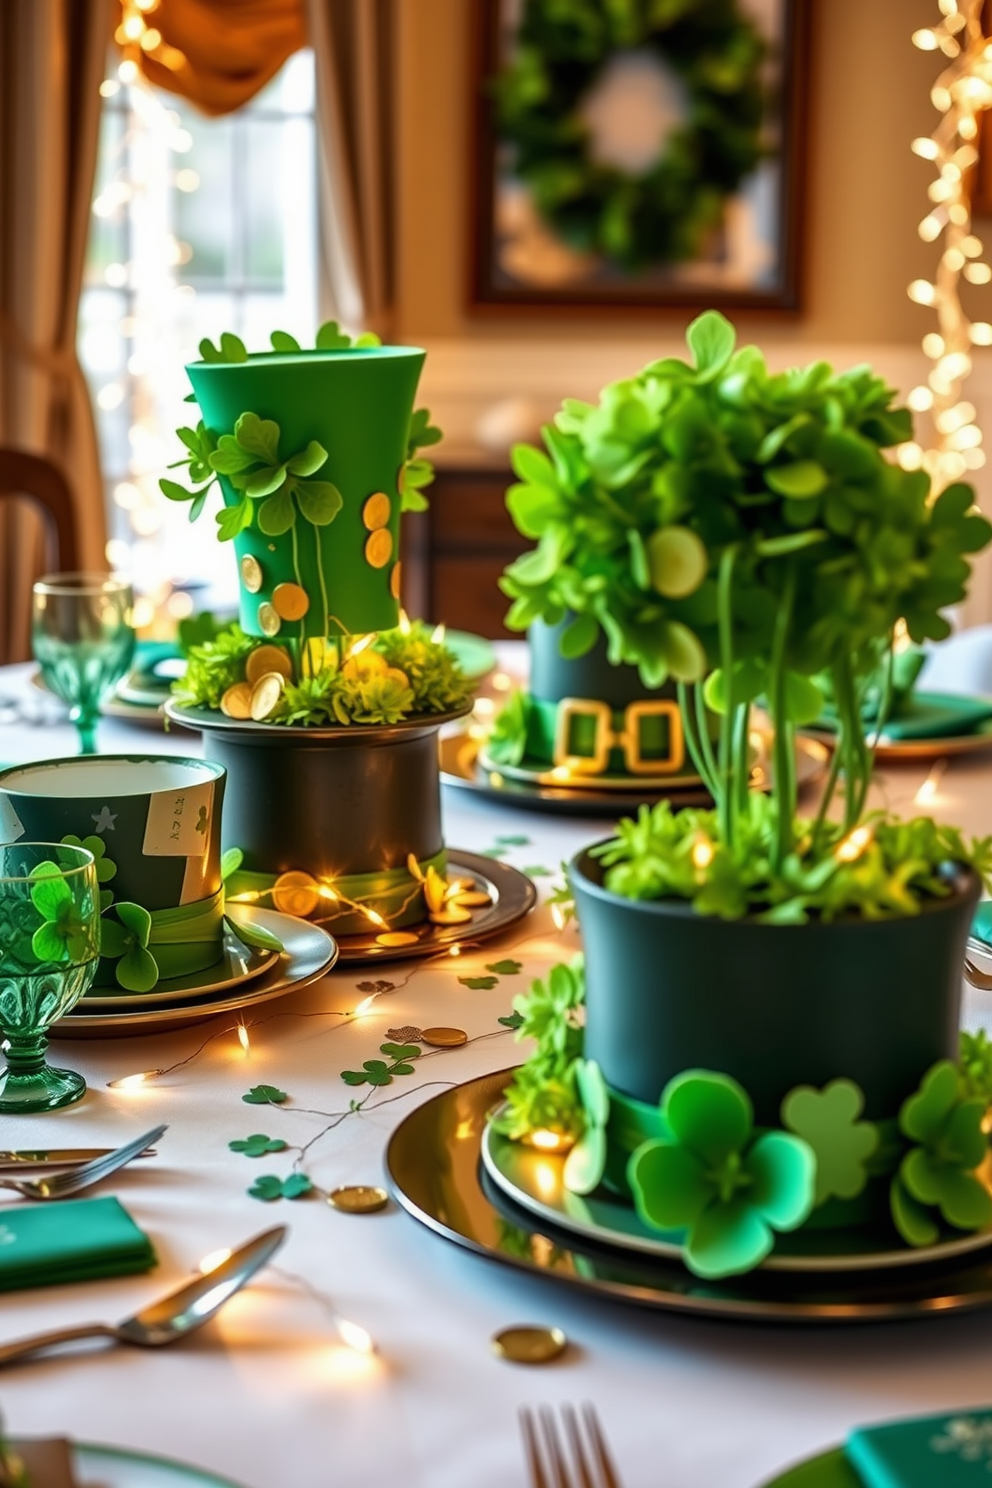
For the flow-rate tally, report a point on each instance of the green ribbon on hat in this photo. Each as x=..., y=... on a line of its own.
x=149, y=946
x=393, y=893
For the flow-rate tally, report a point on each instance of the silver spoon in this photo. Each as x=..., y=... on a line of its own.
x=174, y=1316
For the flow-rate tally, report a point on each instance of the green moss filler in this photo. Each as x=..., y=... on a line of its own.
x=357, y=404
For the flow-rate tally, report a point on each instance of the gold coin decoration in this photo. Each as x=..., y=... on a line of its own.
x=395, y=580
x=251, y=573
x=296, y=893
x=268, y=659
x=236, y=702
x=397, y=938
x=358, y=1198
x=290, y=601
x=444, y=1038
x=529, y=1344
x=377, y=511
x=451, y=914
x=379, y=548
x=268, y=619
x=266, y=694
x=473, y=898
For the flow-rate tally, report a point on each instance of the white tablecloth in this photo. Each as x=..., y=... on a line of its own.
x=268, y=1397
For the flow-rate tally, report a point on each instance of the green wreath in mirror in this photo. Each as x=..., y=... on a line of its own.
x=713, y=55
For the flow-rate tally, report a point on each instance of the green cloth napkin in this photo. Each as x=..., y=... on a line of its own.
x=79, y=1240
x=929, y=1452
x=937, y=715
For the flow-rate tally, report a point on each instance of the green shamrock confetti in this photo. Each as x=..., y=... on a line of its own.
x=106, y=868
x=939, y=1172
x=493, y=852
x=268, y=1187
x=713, y=1179
x=378, y=1071
x=513, y=1020
x=506, y=968
x=512, y=840
x=585, y=1162
x=265, y=1095
x=537, y=871
x=479, y=983
x=828, y=1120
x=257, y=1145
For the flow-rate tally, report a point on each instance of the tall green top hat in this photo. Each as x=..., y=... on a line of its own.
x=310, y=448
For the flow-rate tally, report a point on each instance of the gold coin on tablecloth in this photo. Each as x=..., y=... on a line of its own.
x=395, y=580
x=451, y=914
x=444, y=1038
x=290, y=601
x=296, y=893
x=251, y=573
x=267, y=659
x=529, y=1345
x=358, y=1198
x=266, y=694
x=397, y=938
x=377, y=511
x=236, y=702
x=379, y=548
x=268, y=619
x=473, y=899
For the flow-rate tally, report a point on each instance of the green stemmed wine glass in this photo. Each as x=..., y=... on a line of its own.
x=83, y=639
x=49, y=948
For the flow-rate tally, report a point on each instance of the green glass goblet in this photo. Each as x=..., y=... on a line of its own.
x=49, y=949
x=83, y=640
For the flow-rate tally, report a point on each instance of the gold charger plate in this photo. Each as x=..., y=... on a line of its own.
x=238, y=964
x=435, y=1173
x=462, y=769
x=308, y=954
x=512, y=893
x=534, y=1180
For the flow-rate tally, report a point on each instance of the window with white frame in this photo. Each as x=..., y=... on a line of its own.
x=199, y=226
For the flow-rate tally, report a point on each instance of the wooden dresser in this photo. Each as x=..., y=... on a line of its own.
x=454, y=553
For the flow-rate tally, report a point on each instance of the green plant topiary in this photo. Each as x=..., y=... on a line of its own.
x=721, y=522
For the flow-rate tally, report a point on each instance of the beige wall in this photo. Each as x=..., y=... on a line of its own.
x=865, y=191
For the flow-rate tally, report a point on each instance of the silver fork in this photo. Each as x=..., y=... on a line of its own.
x=61, y=1185
x=547, y=1460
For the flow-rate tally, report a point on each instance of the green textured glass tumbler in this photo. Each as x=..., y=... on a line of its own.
x=82, y=634
x=49, y=948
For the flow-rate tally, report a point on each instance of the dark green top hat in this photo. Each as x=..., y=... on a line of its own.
x=153, y=825
x=333, y=568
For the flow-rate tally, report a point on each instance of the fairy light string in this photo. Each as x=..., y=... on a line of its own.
x=961, y=94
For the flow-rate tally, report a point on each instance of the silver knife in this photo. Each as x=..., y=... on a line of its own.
x=57, y=1157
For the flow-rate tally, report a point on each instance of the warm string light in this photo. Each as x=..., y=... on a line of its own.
x=136, y=37
x=132, y=1082
x=702, y=853
x=850, y=848
x=927, y=793
x=961, y=94
x=438, y=634
x=243, y=1039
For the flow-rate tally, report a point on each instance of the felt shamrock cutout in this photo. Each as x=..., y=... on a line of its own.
x=250, y=459
x=378, y=1072
x=106, y=868
x=265, y=1095
x=513, y=839
x=269, y=1187
x=585, y=1162
x=939, y=1172
x=828, y=1120
x=125, y=939
x=200, y=444
x=417, y=473
x=64, y=934
x=506, y=968
x=727, y=1189
x=537, y=871
x=258, y=1145
x=513, y=1020
x=479, y=983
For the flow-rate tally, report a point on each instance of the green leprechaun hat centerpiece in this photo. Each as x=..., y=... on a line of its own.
x=323, y=704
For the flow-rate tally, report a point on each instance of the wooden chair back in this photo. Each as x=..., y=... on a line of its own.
x=43, y=484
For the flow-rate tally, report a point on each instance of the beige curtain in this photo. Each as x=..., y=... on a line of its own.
x=353, y=41
x=220, y=53
x=52, y=59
